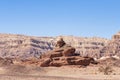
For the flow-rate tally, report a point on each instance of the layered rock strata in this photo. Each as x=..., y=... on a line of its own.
x=24, y=47
x=62, y=55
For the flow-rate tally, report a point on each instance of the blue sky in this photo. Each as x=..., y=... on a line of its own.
x=86, y=18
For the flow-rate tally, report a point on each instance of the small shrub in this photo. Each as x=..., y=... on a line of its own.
x=107, y=70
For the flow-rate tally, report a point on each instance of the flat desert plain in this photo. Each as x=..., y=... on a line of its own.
x=18, y=72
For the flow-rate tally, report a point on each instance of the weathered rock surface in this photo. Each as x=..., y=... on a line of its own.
x=72, y=60
x=86, y=46
x=64, y=55
x=113, y=47
x=5, y=61
x=111, y=61
x=20, y=46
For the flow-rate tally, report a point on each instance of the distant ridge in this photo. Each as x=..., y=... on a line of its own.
x=22, y=46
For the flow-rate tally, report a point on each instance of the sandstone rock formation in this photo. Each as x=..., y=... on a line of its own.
x=27, y=49
x=25, y=46
x=20, y=46
x=86, y=46
x=62, y=55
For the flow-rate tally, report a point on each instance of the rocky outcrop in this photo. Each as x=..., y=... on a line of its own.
x=111, y=61
x=71, y=60
x=24, y=47
x=78, y=50
x=20, y=46
x=86, y=46
x=113, y=47
x=64, y=55
x=5, y=61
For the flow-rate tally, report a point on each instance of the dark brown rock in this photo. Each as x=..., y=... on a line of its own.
x=51, y=54
x=59, y=61
x=72, y=60
x=45, y=63
x=69, y=51
x=60, y=43
x=64, y=55
x=5, y=61
x=56, y=54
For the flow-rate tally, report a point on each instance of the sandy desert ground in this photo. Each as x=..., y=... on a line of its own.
x=17, y=72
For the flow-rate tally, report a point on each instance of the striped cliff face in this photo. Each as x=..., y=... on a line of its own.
x=21, y=46
x=113, y=46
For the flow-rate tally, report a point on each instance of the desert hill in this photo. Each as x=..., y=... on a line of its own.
x=68, y=66
x=21, y=46
x=113, y=46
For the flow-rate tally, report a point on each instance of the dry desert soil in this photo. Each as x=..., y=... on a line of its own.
x=18, y=72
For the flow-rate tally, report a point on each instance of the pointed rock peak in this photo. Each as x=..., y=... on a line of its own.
x=116, y=36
